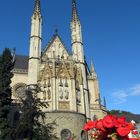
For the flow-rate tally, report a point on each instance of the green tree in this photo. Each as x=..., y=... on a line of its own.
x=31, y=125
x=6, y=65
x=114, y=112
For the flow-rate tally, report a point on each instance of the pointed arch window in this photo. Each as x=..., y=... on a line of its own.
x=78, y=96
x=66, y=83
x=61, y=83
x=61, y=93
x=66, y=94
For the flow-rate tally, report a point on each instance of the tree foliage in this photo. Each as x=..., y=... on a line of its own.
x=6, y=65
x=29, y=122
x=31, y=125
x=129, y=116
x=115, y=112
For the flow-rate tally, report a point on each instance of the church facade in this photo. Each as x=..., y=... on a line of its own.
x=67, y=84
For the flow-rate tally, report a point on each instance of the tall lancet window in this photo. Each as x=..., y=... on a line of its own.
x=46, y=90
x=61, y=94
x=48, y=94
x=63, y=89
x=78, y=96
x=66, y=94
x=61, y=82
x=78, y=92
x=66, y=83
x=44, y=95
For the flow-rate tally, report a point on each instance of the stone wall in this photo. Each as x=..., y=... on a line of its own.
x=71, y=121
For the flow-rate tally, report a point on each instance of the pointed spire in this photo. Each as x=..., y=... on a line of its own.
x=92, y=67
x=37, y=7
x=93, y=73
x=14, y=55
x=104, y=102
x=74, y=11
x=100, y=101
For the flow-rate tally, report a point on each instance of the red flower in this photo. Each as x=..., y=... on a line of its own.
x=110, y=127
x=123, y=131
x=115, y=121
x=122, y=121
x=135, y=132
x=89, y=125
x=125, y=138
x=133, y=139
x=99, y=125
x=130, y=126
x=108, y=121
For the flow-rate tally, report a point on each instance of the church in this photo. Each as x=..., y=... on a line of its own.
x=67, y=83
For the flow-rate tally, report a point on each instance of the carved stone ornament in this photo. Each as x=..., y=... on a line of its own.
x=64, y=105
x=19, y=90
x=63, y=72
x=46, y=73
x=79, y=76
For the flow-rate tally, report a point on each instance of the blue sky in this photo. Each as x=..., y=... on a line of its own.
x=111, y=36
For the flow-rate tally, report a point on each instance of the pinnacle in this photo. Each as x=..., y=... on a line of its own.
x=37, y=7
x=74, y=11
x=92, y=67
x=93, y=73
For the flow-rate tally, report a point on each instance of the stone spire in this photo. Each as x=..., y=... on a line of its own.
x=74, y=11
x=92, y=67
x=104, y=102
x=76, y=34
x=35, y=45
x=37, y=7
x=93, y=73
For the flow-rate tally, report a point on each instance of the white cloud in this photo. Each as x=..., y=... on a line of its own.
x=120, y=96
x=135, y=91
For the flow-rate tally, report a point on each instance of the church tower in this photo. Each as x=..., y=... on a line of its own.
x=76, y=34
x=35, y=44
x=78, y=52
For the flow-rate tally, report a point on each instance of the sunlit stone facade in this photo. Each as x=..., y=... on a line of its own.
x=66, y=83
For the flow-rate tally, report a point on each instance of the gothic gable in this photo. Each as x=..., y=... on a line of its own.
x=63, y=71
x=55, y=49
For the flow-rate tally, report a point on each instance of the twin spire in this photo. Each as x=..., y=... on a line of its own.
x=37, y=9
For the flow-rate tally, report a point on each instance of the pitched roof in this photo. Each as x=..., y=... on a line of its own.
x=21, y=62
x=52, y=40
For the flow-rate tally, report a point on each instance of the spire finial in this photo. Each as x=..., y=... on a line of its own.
x=37, y=7
x=74, y=11
x=56, y=31
x=93, y=73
